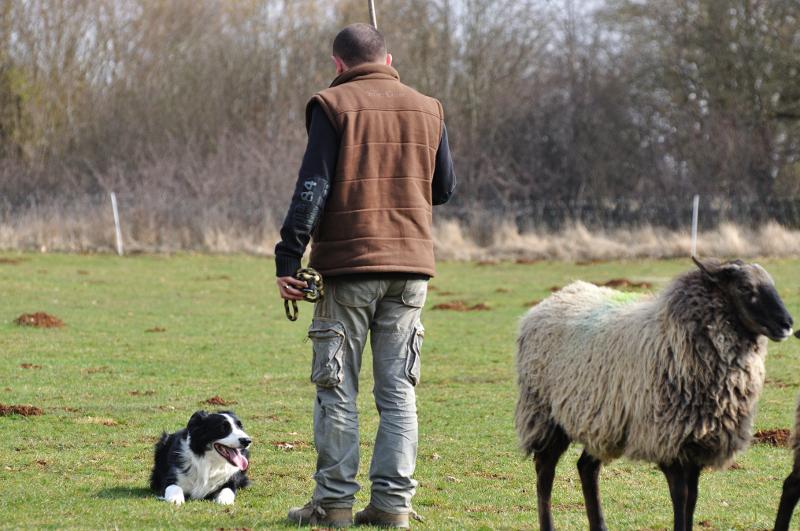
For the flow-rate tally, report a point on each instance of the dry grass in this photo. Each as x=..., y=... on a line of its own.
x=577, y=243
x=88, y=227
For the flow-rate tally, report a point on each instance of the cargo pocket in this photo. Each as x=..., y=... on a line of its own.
x=415, y=292
x=328, y=339
x=414, y=360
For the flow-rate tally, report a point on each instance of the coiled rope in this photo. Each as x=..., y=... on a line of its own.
x=313, y=293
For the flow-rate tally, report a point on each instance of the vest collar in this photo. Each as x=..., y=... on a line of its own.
x=366, y=71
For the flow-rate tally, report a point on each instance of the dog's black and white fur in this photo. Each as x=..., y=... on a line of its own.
x=205, y=460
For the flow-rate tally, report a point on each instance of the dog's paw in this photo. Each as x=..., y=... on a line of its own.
x=174, y=495
x=226, y=497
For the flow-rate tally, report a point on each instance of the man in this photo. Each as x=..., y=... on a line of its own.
x=377, y=160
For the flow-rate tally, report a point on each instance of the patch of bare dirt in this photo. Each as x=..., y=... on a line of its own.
x=625, y=283
x=487, y=263
x=527, y=261
x=39, y=320
x=83, y=272
x=774, y=437
x=447, y=293
x=553, y=289
x=290, y=445
x=461, y=306
x=149, y=392
x=155, y=330
x=502, y=290
x=25, y=411
x=531, y=304
x=30, y=366
x=217, y=400
x=11, y=261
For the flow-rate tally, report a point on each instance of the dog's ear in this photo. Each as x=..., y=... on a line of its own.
x=196, y=419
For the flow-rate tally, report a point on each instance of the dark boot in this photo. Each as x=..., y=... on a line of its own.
x=375, y=517
x=313, y=514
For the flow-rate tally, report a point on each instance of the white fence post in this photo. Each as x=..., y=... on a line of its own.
x=695, y=208
x=116, y=223
x=373, y=18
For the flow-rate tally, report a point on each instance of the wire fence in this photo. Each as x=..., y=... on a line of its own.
x=161, y=221
x=670, y=212
x=674, y=213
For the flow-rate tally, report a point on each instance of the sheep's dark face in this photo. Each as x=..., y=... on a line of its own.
x=751, y=291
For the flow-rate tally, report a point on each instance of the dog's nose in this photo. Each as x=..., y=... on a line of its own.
x=244, y=441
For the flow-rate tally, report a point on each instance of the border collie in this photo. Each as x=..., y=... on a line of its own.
x=205, y=460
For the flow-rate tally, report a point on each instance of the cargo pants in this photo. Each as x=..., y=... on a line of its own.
x=389, y=309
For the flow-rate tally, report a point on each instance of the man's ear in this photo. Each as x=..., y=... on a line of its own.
x=388, y=59
x=340, y=66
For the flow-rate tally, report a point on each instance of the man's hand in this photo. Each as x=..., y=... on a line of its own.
x=290, y=287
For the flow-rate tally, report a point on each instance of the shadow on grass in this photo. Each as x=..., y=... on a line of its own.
x=116, y=493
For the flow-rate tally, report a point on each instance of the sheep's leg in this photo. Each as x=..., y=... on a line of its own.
x=679, y=492
x=546, y=461
x=789, y=497
x=692, y=478
x=589, y=472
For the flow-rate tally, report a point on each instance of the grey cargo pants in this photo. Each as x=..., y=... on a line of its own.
x=390, y=311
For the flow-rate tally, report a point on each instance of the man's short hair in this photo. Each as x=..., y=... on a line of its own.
x=359, y=43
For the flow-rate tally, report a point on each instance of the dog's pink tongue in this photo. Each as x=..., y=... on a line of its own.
x=240, y=460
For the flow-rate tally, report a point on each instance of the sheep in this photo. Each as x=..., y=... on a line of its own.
x=791, y=486
x=671, y=379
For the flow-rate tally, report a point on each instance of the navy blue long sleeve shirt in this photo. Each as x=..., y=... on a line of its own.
x=314, y=181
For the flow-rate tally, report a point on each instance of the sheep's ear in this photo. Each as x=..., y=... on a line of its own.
x=717, y=272
x=701, y=266
x=710, y=269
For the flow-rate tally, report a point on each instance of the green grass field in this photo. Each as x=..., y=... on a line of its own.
x=108, y=388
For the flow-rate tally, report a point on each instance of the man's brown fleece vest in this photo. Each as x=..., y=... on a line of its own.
x=377, y=217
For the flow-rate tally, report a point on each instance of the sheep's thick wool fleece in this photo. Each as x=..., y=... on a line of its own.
x=658, y=379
